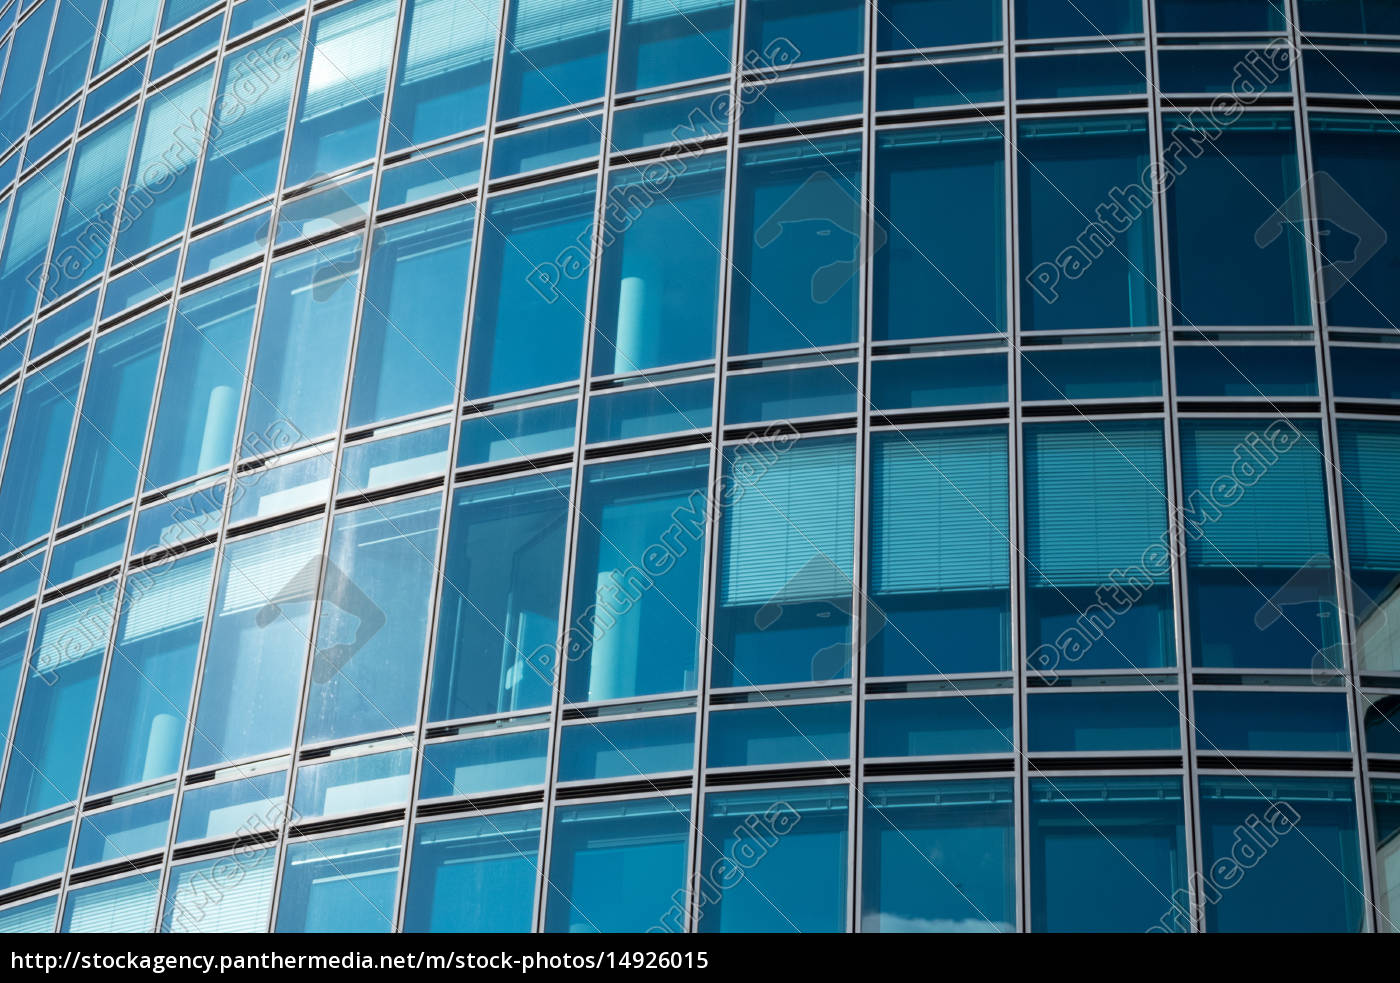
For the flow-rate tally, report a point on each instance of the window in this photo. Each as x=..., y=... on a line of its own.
x=939, y=553
x=27, y=245
x=797, y=247
x=659, y=283
x=1369, y=455
x=556, y=54
x=341, y=884
x=779, y=31
x=499, y=620
x=1235, y=221
x=1129, y=833
x=487, y=856
x=1098, y=557
x=1077, y=18
x=636, y=612
x=444, y=74
x=938, y=857
x=226, y=894
x=668, y=42
x=342, y=89
x=786, y=538
x=527, y=328
x=904, y=24
x=373, y=619
x=142, y=731
x=22, y=78
x=411, y=321
x=257, y=645
x=125, y=905
x=940, y=198
x=85, y=225
x=641, y=843
x=29, y=495
x=1260, y=591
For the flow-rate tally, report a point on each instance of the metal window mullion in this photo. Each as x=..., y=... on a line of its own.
x=412, y=820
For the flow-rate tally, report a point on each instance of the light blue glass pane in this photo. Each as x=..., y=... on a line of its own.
x=1358, y=231
x=947, y=725
x=342, y=89
x=323, y=211
x=64, y=324
x=34, y=856
x=373, y=620
x=268, y=491
x=369, y=781
x=784, y=606
x=150, y=279
x=672, y=42
x=546, y=147
x=1243, y=189
x=11, y=357
x=527, y=328
x=341, y=884
x=177, y=11
x=824, y=390
x=637, y=577
x=20, y=579
x=22, y=75
x=85, y=225
x=453, y=172
x=1076, y=76
x=172, y=521
x=780, y=31
x=555, y=55
x=1271, y=721
x=1086, y=235
x=444, y=73
x=492, y=857
x=55, y=717
x=797, y=246
x=939, y=553
x=81, y=555
x=40, y=439
x=1104, y=722
x=904, y=24
x=394, y=460
x=522, y=433
x=1287, y=851
x=800, y=885
x=22, y=262
x=498, y=621
x=113, y=91
x=13, y=641
x=682, y=120
x=120, y=834
x=1098, y=563
x=938, y=857
x=411, y=322
x=257, y=646
x=299, y=371
x=182, y=50
x=906, y=383
x=194, y=427
x=250, y=14
x=483, y=764
x=647, y=410
x=116, y=407
x=1238, y=370
x=815, y=732
x=1225, y=15
x=1090, y=373
x=627, y=748
x=126, y=905
x=800, y=101
x=127, y=26
x=228, y=245
x=1223, y=70
x=1076, y=18
x=242, y=805
x=46, y=139
x=1128, y=832
x=162, y=170
x=940, y=200
x=226, y=894
x=146, y=708
x=1261, y=592
x=641, y=843
x=659, y=281
x=249, y=123
x=36, y=916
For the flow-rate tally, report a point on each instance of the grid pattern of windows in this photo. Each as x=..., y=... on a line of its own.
x=704, y=465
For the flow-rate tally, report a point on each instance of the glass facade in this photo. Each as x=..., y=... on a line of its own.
x=611, y=465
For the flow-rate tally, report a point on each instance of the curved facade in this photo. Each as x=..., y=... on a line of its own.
x=687, y=465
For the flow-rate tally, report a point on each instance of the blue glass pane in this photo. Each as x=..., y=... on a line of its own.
x=1090, y=373
x=627, y=748
x=227, y=894
x=785, y=734
x=1367, y=373
x=498, y=621
x=35, y=916
x=427, y=177
x=62, y=325
x=340, y=884
x=47, y=403
x=682, y=120
x=904, y=24
x=802, y=100
x=641, y=843
x=517, y=433
x=127, y=26
x=672, y=42
x=779, y=31
x=476, y=857
x=1369, y=453
x=239, y=806
x=1103, y=721
x=394, y=460
x=123, y=833
x=637, y=575
x=938, y=857
x=22, y=77
x=14, y=639
x=797, y=881
x=169, y=521
x=483, y=764
x=1076, y=18
x=126, y=905
x=34, y=856
x=1228, y=720
x=22, y=262
x=946, y=725
x=647, y=410
x=936, y=84
x=1350, y=16
x=1223, y=70
x=1129, y=833
x=1239, y=370
x=1079, y=75
x=556, y=54
x=79, y=555
x=546, y=146
x=85, y=224
x=358, y=784
x=70, y=47
x=182, y=50
x=444, y=72
x=906, y=383
x=1208, y=16
x=822, y=390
